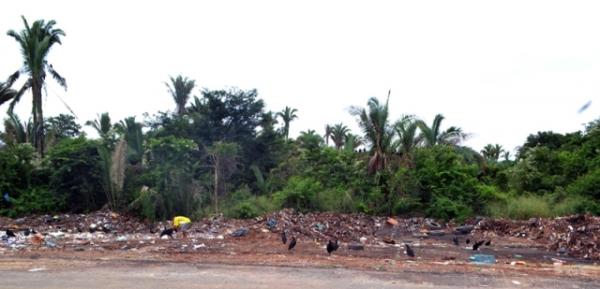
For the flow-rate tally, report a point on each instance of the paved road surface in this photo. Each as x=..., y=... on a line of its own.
x=118, y=274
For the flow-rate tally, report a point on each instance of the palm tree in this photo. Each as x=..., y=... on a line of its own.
x=131, y=131
x=378, y=133
x=104, y=128
x=309, y=139
x=338, y=135
x=433, y=135
x=492, y=152
x=351, y=142
x=36, y=41
x=327, y=134
x=6, y=93
x=406, y=129
x=287, y=115
x=180, y=88
x=15, y=131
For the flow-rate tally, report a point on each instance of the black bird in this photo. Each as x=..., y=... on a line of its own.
x=168, y=232
x=455, y=240
x=29, y=231
x=10, y=233
x=331, y=246
x=292, y=243
x=468, y=241
x=409, y=251
x=477, y=245
x=488, y=243
x=283, y=238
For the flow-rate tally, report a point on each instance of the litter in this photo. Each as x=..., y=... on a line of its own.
x=482, y=259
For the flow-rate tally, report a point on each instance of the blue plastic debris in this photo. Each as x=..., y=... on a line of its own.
x=271, y=224
x=482, y=259
x=240, y=232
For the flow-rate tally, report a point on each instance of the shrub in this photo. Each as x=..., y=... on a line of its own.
x=34, y=201
x=406, y=205
x=300, y=194
x=444, y=208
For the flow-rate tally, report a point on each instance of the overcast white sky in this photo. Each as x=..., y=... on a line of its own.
x=499, y=69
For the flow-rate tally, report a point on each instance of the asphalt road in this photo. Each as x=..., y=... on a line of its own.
x=123, y=274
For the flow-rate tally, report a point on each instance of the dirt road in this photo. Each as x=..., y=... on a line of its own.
x=64, y=274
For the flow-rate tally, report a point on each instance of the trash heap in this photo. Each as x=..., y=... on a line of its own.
x=575, y=236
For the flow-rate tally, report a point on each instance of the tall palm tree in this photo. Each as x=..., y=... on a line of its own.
x=15, y=131
x=35, y=42
x=374, y=123
x=180, y=88
x=287, y=115
x=338, y=135
x=406, y=129
x=327, y=134
x=352, y=141
x=433, y=135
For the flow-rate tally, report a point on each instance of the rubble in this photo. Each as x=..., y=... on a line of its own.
x=573, y=236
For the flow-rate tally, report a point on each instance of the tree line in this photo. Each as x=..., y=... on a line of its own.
x=223, y=152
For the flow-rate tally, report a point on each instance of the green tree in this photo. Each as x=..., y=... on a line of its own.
x=374, y=123
x=104, y=128
x=287, y=115
x=406, y=130
x=6, y=92
x=15, y=131
x=433, y=135
x=180, y=89
x=492, y=152
x=338, y=135
x=223, y=158
x=35, y=42
x=62, y=126
x=327, y=134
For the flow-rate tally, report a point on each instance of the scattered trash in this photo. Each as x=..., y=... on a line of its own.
x=464, y=230
x=356, y=246
x=363, y=239
x=37, y=269
x=320, y=227
x=431, y=225
x=121, y=238
x=388, y=240
x=392, y=221
x=518, y=256
x=520, y=263
x=516, y=282
x=240, y=232
x=436, y=233
x=271, y=224
x=199, y=246
x=482, y=259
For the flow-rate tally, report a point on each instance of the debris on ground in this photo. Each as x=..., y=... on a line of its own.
x=564, y=237
x=482, y=259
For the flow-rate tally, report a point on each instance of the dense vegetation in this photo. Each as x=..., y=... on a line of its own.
x=223, y=152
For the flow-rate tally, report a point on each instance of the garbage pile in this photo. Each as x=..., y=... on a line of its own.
x=575, y=236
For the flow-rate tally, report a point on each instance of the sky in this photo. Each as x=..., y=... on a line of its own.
x=500, y=70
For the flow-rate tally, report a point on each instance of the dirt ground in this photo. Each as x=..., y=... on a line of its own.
x=106, y=274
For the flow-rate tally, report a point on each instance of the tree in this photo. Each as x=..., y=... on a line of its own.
x=132, y=132
x=338, y=135
x=223, y=158
x=15, y=131
x=406, y=129
x=433, y=135
x=374, y=123
x=492, y=152
x=63, y=126
x=6, y=92
x=327, y=134
x=180, y=89
x=287, y=115
x=36, y=41
x=104, y=128
x=309, y=140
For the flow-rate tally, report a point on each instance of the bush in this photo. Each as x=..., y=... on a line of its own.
x=34, y=201
x=336, y=200
x=76, y=174
x=406, y=205
x=444, y=208
x=587, y=185
x=521, y=207
x=16, y=165
x=300, y=194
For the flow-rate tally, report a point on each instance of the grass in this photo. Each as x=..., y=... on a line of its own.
x=529, y=206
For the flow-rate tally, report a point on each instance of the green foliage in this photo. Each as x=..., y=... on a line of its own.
x=76, y=174
x=444, y=208
x=406, y=206
x=587, y=185
x=300, y=194
x=16, y=165
x=34, y=201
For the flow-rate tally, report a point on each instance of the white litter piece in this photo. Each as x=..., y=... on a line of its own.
x=37, y=269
